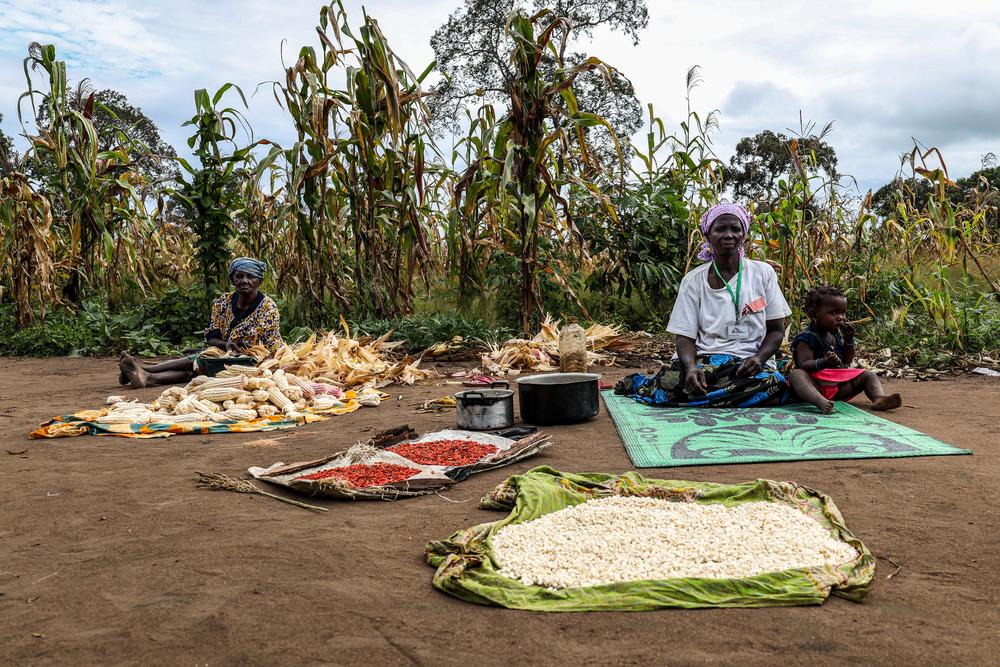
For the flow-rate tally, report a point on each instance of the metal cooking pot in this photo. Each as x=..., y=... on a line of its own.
x=558, y=398
x=485, y=409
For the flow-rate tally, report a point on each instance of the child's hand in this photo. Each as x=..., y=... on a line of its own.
x=832, y=360
x=847, y=330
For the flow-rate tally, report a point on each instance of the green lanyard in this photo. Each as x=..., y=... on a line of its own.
x=735, y=296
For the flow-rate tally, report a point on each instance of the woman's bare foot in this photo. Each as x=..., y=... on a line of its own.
x=137, y=376
x=890, y=402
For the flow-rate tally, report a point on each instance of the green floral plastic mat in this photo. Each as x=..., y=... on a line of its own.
x=666, y=437
x=467, y=569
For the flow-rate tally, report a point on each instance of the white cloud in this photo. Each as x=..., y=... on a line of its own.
x=883, y=70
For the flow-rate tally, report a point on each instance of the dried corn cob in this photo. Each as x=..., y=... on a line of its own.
x=280, y=400
x=238, y=415
x=244, y=370
x=296, y=381
x=186, y=418
x=280, y=380
x=326, y=403
x=219, y=383
x=267, y=410
x=220, y=394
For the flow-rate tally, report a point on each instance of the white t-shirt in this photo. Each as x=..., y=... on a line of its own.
x=703, y=313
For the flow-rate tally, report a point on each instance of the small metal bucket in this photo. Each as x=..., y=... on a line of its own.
x=485, y=409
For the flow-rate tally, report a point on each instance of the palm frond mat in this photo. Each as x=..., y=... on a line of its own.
x=666, y=437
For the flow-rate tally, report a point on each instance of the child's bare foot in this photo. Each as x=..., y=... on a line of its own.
x=825, y=406
x=137, y=376
x=890, y=402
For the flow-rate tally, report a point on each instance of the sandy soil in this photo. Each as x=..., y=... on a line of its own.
x=109, y=554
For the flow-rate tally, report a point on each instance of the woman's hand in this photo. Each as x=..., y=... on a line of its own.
x=832, y=360
x=695, y=382
x=750, y=366
x=233, y=347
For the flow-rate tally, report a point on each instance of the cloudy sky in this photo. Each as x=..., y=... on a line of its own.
x=883, y=70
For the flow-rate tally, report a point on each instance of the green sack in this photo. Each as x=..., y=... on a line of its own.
x=467, y=569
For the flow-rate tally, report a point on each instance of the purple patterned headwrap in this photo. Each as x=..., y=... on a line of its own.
x=725, y=208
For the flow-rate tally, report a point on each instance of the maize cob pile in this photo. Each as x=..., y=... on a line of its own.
x=338, y=358
x=236, y=394
x=541, y=353
x=619, y=539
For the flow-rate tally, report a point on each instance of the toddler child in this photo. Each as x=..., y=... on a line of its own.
x=822, y=372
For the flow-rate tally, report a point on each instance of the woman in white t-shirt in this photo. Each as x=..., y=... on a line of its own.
x=728, y=319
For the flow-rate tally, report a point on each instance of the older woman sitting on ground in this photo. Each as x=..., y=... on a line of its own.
x=729, y=319
x=241, y=319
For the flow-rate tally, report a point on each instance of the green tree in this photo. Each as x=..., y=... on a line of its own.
x=471, y=51
x=761, y=161
x=117, y=123
x=525, y=165
x=211, y=192
x=7, y=154
x=915, y=191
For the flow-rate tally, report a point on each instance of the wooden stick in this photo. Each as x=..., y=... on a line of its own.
x=222, y=482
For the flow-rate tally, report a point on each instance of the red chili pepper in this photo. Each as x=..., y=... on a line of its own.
x=362, y=475
x=444, y=452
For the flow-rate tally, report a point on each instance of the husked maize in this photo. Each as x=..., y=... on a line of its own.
x=189, y=418
x=325, y=403
x=128, y=406
x=301, y=384
x=228, y=405
x=617, y=539
x=123, y=418
x=244, y=370
x=237, y=414
x=220, y=394
x=266, y=410
x=293, y=393
x=280, y=400
x=217, y=382
x=370, y=400
x=261, y=396
x=280, y=381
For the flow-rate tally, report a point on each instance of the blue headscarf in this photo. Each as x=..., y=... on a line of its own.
x=249, y=266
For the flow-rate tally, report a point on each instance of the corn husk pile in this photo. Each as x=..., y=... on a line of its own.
x=239, y=393
x=339, y=359
x=541, y=353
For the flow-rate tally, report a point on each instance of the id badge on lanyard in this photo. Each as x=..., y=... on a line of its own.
x=737, y=330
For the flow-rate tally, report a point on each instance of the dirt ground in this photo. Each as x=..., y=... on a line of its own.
x=109, y=554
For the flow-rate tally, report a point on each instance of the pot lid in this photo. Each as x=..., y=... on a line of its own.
x=558, y=378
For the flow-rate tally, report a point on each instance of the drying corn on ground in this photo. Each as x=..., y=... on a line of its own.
x=239, y=399
x=541, y=353
x=598, y=542
x=339, y=358
x=617, y=539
